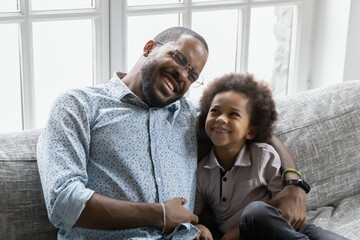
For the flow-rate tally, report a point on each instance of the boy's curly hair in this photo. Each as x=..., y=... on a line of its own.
x=261, y=106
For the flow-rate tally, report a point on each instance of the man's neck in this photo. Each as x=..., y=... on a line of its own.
x=133, y=81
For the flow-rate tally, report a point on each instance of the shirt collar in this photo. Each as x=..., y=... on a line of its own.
x=120, y=89
x=242, y=159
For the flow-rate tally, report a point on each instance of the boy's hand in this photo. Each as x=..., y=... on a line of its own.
x=232, y=235
x=291, y=202
x=204, y=234
x=176, y=213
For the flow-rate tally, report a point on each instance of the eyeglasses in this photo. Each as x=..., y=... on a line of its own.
x=181, y=59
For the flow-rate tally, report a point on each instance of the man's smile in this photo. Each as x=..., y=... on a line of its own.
x=170, y=82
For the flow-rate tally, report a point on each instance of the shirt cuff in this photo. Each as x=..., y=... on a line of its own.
x=71, y=202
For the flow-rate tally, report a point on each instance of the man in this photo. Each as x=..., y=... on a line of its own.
x=118, y=161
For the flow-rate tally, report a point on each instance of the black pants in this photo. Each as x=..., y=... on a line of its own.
x=262, y=221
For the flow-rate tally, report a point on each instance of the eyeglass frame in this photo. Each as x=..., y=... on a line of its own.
x=181, y=62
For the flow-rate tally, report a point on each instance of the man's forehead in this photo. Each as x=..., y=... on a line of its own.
x=186, y=41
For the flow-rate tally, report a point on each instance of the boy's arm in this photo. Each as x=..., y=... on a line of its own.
x=232, y=234
x=291, y=201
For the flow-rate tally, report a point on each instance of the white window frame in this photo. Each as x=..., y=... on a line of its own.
x=25, y=17
x=119, y=12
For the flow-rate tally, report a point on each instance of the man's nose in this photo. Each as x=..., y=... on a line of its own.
x=184, y=73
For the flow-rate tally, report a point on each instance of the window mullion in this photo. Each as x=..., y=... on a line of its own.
x=245, y=35
x=27, y=69
x=187, y=15
x=101, y=43
x=118, y=31
x=294, y=52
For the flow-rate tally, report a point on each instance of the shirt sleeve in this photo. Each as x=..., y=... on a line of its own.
x=272, y=175
x=199, y=199
x=62, y=154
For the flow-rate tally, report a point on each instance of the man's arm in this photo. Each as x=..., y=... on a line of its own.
x=62, y=153
x=291, y=201
x=102, y=212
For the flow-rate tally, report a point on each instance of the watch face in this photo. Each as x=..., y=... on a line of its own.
x=304, y=185
x=299, y=182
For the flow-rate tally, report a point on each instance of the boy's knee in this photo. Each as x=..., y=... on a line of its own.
x=257, y=211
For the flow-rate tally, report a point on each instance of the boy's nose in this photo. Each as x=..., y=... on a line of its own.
x=221, y=119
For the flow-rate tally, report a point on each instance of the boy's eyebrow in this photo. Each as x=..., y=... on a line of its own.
x=231, y=108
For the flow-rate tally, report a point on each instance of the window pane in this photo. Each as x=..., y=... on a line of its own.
x=10, y=91
x=63, y=59
x=221, y=41
x=152, y=25
x=151, y=2
x=38, y=5
x=8, y=6
x=270, y=44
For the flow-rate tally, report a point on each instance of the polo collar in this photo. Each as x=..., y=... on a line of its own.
x=243, y=159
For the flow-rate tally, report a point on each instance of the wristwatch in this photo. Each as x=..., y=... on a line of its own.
x=299, y=182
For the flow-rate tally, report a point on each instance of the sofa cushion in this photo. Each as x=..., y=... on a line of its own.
x=341, y=217
x=321, y=128
x=23, y=214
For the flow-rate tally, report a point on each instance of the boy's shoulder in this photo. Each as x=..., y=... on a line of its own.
x=263, y=148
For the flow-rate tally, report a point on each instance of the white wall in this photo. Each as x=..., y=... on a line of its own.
x=352, y=57
x=331, y=21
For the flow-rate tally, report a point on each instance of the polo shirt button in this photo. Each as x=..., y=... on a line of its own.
x=223, y=199
x=224, y=179
x=159, y=179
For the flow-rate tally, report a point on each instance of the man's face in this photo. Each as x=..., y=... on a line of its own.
x=164, y=80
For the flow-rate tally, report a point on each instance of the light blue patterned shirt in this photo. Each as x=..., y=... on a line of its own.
x=106, y=140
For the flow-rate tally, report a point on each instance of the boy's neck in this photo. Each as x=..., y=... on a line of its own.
x=226, y=156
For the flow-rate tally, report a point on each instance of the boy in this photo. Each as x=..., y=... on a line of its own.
x=242, y=173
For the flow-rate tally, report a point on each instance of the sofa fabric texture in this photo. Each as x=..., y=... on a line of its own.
x=320, y=127
x=22, y=208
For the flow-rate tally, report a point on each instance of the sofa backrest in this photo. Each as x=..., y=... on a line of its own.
x=22, y=209
x=321, y=128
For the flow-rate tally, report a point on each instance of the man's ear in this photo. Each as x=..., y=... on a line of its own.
x=148, y=47
x=251, y=134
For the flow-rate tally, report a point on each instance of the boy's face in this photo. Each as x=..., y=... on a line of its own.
x=228, y=120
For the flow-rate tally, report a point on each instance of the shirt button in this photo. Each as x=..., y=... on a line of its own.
x=224, y=179
x=223, y=199
x=159, y=179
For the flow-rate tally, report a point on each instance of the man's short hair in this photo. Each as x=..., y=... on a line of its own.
x=174, y=33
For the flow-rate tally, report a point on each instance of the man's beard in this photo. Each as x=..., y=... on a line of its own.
x=148, y=72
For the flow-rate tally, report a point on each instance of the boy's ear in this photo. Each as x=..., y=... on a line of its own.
x=148, y=47
x=251, y=134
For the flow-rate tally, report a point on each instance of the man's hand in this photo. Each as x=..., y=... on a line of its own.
x=291, y=202
x=204, y=234
x=231, y=235
x=176, y=213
